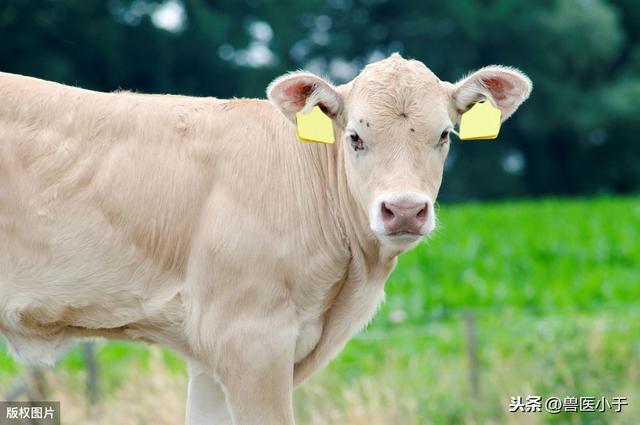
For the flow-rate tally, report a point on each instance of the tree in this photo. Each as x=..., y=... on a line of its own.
x=574, y=137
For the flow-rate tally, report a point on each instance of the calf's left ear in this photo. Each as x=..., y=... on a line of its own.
x=505, y=87
x=294, y=92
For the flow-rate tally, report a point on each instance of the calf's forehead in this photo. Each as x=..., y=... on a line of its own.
x=398, y=90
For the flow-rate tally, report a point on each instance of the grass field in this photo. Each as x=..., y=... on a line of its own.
x=553, y=287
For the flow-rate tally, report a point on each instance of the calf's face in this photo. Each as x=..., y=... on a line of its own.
x=394, y=120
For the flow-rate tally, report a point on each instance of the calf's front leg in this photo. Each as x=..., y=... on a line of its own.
x=250, y=349
x=256, y=371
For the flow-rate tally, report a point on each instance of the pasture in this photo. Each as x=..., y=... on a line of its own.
x=549, y=288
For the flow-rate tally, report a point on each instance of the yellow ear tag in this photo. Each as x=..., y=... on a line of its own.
x=314, y=127
x=481, y=122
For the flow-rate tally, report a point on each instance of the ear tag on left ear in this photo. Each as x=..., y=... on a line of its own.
x=314, y=127
x=481, y=122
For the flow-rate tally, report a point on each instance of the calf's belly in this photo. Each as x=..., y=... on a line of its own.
x=77, y=277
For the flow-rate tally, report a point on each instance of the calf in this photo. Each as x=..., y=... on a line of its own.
x=204, y=226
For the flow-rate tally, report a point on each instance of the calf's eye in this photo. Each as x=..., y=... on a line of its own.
x=444, y=138
x=356, y=142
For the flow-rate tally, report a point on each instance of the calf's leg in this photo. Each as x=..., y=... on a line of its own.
x=206, y=404
x=261, y=395
x=253, y=360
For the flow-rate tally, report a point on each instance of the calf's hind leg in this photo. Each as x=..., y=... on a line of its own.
x=206, y=404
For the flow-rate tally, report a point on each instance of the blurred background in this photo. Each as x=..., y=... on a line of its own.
x=530, y=287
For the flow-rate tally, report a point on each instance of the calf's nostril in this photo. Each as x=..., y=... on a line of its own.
x=387, y=214
x=422, y=214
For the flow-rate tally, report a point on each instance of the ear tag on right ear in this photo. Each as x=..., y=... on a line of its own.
x=481, y=122
x=314, y=127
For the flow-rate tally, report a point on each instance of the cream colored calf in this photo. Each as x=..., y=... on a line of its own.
x=203, y=224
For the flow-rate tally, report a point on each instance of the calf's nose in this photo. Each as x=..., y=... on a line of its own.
x=404, y=217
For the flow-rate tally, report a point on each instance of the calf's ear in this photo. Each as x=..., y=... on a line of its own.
x=505, y=87
x=299, y=91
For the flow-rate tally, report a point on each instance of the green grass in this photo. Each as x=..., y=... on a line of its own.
x=554, y=286
x=545, y=257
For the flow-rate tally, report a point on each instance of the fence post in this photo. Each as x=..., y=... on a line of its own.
x=93, y=379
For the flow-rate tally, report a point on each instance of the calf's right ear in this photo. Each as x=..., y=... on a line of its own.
x=301, y=91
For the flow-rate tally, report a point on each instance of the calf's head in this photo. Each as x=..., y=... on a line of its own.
x=393, y=122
